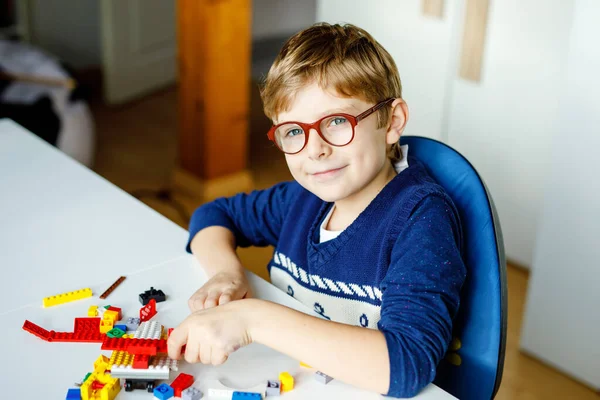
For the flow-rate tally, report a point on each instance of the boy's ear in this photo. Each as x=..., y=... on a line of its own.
x=398, y=121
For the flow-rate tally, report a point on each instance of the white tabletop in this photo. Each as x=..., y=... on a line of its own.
x=63, y=227
x=57, y=366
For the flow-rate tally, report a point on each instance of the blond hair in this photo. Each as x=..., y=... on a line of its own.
x=342, y=57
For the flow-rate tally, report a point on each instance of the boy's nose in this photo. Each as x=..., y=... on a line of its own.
x=316, y=146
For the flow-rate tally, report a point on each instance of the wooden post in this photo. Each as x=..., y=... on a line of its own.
x=214, y=38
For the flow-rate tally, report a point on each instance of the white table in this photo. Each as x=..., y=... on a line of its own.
x=63, y=227
x=35, y=369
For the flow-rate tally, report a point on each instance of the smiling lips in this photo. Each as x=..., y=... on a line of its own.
x=327, y=173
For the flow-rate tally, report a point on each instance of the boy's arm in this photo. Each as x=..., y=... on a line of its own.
x=254, y=218
x=352, y=354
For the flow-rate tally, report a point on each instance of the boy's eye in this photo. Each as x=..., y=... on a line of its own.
x=294, y=132
x=337, y=121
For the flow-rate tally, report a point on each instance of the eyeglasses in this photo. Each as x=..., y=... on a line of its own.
x=336, y=129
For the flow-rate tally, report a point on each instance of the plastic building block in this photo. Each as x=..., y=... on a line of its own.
x=148, y=295
x=118, y=310
x=120, y=358
x=323, y=378
x=132, y=324
x=112, y=287
x=73, y=394
x=36, y=330
x=163, y=392
x=191, y=393
x=115, y=333
x=183, y=381
x=273, y=388
x=122, y=327
x=220, y=393
x=147, y=384
x=287, y=381
x=110, y=386
x=149, y=330
x=112, y=315
x=106, y=325
x=159, y=367
x=246, y=396
x=148, y=311
x=67, y=297
x=86, y=330
x=93, y=311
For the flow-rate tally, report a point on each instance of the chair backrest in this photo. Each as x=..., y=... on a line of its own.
x=472, y=368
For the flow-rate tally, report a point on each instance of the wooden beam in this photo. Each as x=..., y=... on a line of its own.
x=214, y=38
x=474, y=39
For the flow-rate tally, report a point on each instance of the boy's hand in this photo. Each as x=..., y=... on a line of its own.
x=222, y=288
x=211, y=335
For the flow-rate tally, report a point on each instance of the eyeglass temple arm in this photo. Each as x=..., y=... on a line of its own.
x=373, y=109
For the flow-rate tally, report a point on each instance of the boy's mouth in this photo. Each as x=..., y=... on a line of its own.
x=328, y=172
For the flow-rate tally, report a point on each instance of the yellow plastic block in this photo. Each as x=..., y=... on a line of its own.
x=106, y=325
x=120, y=358
x=93, y=311
x=112, y=386
x=287, y=381
x=112, y=315
x=67, y=297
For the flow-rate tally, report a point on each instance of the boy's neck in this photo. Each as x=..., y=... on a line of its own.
x=345, y=211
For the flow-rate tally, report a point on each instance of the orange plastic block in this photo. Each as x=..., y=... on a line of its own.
x=67, y=297
x=287, y=381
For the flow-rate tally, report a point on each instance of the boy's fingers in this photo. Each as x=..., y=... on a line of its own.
x=225, y=298
x=192, y=351
x=196, y=302
x=205, y=353
x=211, y=300
x=176, y=341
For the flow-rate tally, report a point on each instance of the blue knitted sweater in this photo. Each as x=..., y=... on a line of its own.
x=396, y=268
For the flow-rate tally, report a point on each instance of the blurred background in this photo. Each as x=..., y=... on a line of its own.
x=160, y=97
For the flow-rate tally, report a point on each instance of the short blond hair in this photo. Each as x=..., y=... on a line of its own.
x=342, y=57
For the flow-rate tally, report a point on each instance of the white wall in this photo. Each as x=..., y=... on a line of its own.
x=423, y=48
x=505, y=123
x=272, y=18
x=562, y=320
x=68, y=29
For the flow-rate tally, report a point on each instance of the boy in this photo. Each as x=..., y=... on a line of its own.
x=363, y=235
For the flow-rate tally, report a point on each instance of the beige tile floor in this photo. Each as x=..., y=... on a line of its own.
x=137, y=151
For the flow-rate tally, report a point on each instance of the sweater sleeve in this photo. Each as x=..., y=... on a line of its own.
x=421, y=293
x=254, y=218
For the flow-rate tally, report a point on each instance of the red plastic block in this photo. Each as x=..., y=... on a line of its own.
x=118, y=344
x=140, y=361
x=37, y=330
x=147, y=347
x=148, y=311
x=97, y=385
x=87, y=324
x=169, y=332
x=182, y=382
x=117, y=309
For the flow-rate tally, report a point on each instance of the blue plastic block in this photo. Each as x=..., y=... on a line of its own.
x=121, y=327
x=246, y=396
x=73, y=394
x=164, y=392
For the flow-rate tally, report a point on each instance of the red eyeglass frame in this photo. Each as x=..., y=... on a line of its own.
x=354, y=120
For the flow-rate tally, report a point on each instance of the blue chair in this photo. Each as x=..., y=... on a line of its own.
x=472, y=368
